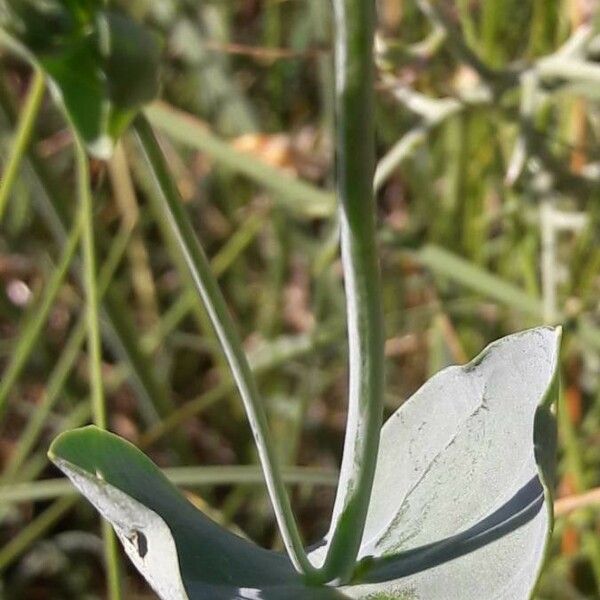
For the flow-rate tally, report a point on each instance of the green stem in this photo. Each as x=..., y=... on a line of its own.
x=113, y=567
x=95, y=346
x=355, y=22
x=22, y=139
x=91, y=289
x=207, y=287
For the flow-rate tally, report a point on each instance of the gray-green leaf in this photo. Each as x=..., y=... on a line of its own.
x=461, y=507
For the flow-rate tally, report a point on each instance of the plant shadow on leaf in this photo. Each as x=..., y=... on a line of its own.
x=495, y=507
x=462, y=503
x=518, y=511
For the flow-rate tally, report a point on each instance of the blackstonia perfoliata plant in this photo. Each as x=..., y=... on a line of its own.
x=450, y=499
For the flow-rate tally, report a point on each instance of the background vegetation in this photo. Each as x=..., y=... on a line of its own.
x=489, y=189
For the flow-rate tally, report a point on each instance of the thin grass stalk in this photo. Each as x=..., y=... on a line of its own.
x=119, y=332
x=187, y=477
x=60, y=373
x=23, y=135
x=37, y=318
x=95, y=347
x=302, y=198
x=34, y=530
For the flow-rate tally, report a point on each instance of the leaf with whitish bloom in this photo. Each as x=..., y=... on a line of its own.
x=462, y=501
x=461, y=505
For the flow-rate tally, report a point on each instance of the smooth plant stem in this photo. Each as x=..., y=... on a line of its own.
x=95, y=346
x=113, y=565
x=22, y=139
x=354, y=27
x=91, y=289
x=37, y=317
x=208, y=289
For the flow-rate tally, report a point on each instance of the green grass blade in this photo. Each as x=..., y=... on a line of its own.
x=118, y=329
x=94, y=343
x=298, y=196
x=187, y=477
x=34, y=530
x=22, y=139
x=447, y=264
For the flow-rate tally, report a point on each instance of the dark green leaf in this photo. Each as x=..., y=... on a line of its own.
x=104, y=66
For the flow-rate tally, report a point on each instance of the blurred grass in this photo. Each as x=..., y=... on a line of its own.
x=245, y=121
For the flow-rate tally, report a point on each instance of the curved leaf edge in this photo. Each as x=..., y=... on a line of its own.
x=67, y=452
x=544, y=440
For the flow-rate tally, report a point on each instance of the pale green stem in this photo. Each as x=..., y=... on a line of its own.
x=95, y=346
x=91, y=289
x=114, y=582
x=207, y=287
x=22, y=139
x=355, y=23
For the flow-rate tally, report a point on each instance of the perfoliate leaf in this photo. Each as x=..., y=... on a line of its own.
x=102, y=64
x=461, y=506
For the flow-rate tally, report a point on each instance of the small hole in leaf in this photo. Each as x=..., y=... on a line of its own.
x=142, y=544
x=138, y=539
